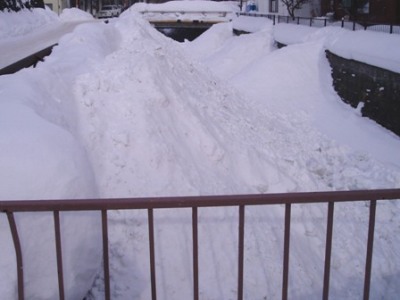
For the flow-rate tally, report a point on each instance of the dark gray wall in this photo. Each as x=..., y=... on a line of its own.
x=376, y=88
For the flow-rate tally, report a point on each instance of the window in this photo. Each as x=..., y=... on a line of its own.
x=273, y=6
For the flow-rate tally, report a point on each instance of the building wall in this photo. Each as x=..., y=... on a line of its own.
x=385, y=11
x=57, y=5
x=311, y=9
x=374, y=89
x=380, y=11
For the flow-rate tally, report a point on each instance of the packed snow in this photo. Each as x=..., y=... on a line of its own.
x=119, y=110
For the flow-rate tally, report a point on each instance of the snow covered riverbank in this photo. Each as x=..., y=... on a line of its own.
x=122, y=111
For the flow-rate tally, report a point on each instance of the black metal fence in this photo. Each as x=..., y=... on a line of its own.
x=240, y=201
x=324, y=22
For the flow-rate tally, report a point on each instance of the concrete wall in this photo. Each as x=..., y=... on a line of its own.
x=375, y=89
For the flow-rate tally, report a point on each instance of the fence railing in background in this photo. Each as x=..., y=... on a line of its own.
x=241, y=201
x=324, y=22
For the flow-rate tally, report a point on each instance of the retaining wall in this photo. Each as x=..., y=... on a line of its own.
x=376, y=89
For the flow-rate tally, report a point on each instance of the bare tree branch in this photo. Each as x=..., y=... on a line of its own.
x=292, y=5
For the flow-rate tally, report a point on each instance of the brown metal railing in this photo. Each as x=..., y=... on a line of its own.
x=241, y=201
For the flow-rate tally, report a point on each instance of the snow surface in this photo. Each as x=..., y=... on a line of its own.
x=39, y=28
x=374, y=48
x=119, y=110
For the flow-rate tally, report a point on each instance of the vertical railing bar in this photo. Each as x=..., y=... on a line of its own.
x=105, y=255
x=195, y=254
x=152, y=256
x=18, y=254
x=285, y=279
x=328, y=250
x=241, y=253
x=60, y=272
x=370, y=245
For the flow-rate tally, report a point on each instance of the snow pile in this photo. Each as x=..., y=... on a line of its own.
x=227, y=54
x=147, y=127
x=17, y=24
x=374, y=48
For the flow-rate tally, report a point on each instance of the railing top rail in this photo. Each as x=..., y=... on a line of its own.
x=196, y=201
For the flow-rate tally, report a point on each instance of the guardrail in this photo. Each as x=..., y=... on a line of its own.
x=324, y=22
x=241, y=201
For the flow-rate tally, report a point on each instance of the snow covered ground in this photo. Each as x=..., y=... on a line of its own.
x=119, y=110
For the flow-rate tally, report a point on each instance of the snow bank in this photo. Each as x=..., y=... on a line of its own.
x=251, y=24
x=292, y=34
x=373, y=48
x=17, y=24
x=42, y=158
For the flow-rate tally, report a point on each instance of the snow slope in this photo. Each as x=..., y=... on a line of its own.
x=138, y=114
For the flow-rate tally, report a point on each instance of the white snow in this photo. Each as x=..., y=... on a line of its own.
x=374, y=48
x=13, y=24
x=119, y=110
x=251, y=24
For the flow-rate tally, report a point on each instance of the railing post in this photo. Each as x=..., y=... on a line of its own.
x=241, y=252
x=18, y=254
x=60, y=272
x=328, y=250
x=370, y=246
x=195, y=254
x=324, y=22
x=285, y=280
x=105, y=255
x=152, y=255
x=391, y=28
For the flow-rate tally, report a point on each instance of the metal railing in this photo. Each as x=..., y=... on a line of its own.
x=324, y=22
x=241, y=201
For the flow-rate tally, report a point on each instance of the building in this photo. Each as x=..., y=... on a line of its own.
x=310, y=9
x=377, y=11
x=57, y=5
